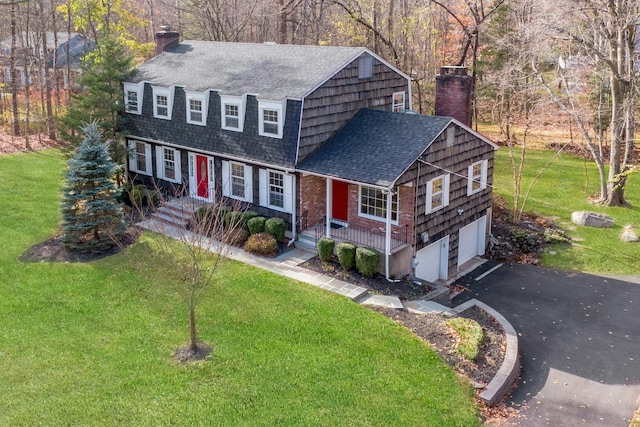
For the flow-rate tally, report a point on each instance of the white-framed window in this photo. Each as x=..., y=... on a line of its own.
x=373, y=204
x=197, y=106
x=437, y=193
x=140, y=157
x=237, y=181
x=398, y=102
x=276, y=190
x=162, y=102
x=133, y=98
x=477, y=177
x=168, y=164
x=232, y=112
x=365, y=67
x=270, y=118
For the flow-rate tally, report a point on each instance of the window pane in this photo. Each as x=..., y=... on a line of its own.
x=270, y=122
x=162, y=102
x=141, y=159
x=169, y=164
x=276, y=189
x=231, y=116
x=132, y=100
x=374, y=202
x=237, y=180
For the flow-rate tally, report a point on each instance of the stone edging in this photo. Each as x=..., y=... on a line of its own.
x=510, y=368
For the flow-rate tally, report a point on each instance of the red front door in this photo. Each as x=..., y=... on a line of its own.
x=340, y=200
x=202, y=176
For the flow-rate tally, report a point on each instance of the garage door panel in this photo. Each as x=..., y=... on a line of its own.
x=471, y=239
x=432, y=261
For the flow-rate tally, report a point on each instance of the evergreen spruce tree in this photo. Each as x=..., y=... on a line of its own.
x=92, y=218
x=100, y=97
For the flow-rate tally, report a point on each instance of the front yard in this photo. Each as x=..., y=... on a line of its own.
x=91, y=343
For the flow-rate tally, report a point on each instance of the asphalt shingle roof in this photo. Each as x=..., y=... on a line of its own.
x=375, y=147
x=269, y=71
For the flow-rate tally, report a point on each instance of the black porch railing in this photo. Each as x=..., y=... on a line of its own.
x=373, y=237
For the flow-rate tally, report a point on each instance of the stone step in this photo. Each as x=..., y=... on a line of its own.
x=178, y=214
x=422, y=306
x=169, y=219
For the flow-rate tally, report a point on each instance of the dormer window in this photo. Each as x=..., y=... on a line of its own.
x=232, y=112
x=162, y=102
x=270, y=118
x=398, y=102
x=133, y=98
x=197, y=105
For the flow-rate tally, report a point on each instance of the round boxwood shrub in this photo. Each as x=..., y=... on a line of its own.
x=237, y=237
x=153, y=199
x=275, y=227
x=346, y=255
x=204, y=213
x=261, y=244
x=233, y=219
x=367, y=261
x=219, y=213
x=325, y=249
x=256, y=224
x=246, y=216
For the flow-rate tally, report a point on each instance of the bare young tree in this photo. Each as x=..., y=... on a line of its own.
x=195, y=237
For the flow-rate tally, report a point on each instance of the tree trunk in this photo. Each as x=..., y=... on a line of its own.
x=15, y=77
x=193, y=342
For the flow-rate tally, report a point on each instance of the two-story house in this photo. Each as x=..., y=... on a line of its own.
x=321, y=136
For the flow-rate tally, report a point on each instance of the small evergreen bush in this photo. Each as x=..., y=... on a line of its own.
x=204, y=212
x=246, y=216
x=261, y=244
x=233, y=219
x=237, y=237
x=367, y=260
x=325, y=249
x=471, y=336
x=346, y=255
x=219, y=213
x=256, y=224
x=152, y=199
x=275, y=227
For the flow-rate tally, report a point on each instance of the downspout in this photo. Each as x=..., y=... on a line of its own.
x=327, y=204
x=294, y=204
x=387, y=242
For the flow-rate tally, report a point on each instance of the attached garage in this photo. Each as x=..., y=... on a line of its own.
x=471, y=240
x=432, y=260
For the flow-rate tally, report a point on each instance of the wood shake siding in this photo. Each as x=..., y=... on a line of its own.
x=330, y=106
x=466, y=150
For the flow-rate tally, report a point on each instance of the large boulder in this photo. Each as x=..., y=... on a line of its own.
x=592, y=219
x=629, y=234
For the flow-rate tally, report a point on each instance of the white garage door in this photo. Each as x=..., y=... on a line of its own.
x=431, y=261
x=471, y=240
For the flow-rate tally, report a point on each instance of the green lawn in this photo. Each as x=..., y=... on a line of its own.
x=564, y=188
x=90, y=344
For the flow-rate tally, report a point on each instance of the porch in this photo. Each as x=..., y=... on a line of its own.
x=373, y=237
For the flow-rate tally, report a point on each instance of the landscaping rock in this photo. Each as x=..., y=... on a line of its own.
x=592, y=219
x=629, y=234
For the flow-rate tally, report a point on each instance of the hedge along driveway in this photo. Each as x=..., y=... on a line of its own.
x=90, y=344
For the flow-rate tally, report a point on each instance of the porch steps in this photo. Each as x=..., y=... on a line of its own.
x=176, y=212
x=307, y=242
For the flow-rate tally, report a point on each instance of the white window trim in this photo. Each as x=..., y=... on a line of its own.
x=483, y=177
x=288, y=190
x=162, y=91
x=271, y=105
x=373, y=217
x=248, y=181
x=445, y=193
x=238, y=101
x=160, y=164
x=133, y=161
x=137, y=88
x=398, y=107
x=204, y=100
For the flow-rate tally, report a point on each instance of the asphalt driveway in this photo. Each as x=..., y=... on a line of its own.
x=579, y=338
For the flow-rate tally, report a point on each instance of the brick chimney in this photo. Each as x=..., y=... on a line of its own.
x=165, y=37
x=453, y=94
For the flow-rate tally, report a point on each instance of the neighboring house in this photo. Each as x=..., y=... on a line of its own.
x=323, y=137
x=66, y=56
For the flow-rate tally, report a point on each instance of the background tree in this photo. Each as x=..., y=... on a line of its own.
x=100, y=99
x=92, y=220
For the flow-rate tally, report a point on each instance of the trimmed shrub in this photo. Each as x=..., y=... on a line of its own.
x=246, y=216
x=237, y=237
x=261, y=244
x=325, y=249
x=205, y=212
x=256, y=224
x=346, y=255
x=219, y=213
x=275, y=227
x=367, y=260
x=122, y=196
x=233, y=219
x=152, y=199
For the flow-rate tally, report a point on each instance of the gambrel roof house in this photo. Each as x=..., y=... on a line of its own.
x=321, y=136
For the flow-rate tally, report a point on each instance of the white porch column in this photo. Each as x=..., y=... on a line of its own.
x=387, y=240
x=328, y=205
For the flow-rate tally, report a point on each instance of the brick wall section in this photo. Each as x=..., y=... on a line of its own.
x=453, y=94
x=313, y=194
